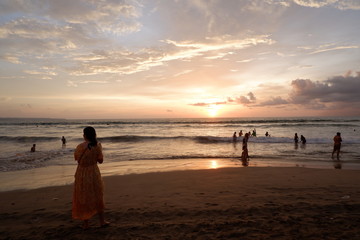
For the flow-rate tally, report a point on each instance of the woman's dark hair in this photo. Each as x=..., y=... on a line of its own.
x=90, y=134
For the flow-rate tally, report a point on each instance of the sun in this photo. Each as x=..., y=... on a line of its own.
x=213, y=110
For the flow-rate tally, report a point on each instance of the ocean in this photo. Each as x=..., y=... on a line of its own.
x=152, y=145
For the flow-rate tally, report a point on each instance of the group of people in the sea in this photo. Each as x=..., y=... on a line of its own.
x=33, y=148
x=245, y=153
x=250, y=133
x=302, y=139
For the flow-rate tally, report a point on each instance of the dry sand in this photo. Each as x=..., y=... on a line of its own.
x=233, y=203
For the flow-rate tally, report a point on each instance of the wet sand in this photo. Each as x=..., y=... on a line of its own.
x=227, y=203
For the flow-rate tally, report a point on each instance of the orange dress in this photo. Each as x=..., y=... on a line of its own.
x=88, y=187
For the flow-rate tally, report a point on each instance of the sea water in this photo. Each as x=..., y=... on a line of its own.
x=150, y=145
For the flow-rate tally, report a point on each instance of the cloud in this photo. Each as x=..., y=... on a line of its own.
x=103, y=16
x=324, y=49
x=343, y=4
x=335, y=89
x=184, y=72
x=35, y=72
x=207, y=104
x=200, y=104
x=124, y=61
x=243, y=100
x=334, y=93
x=314, y=3
x=10, y=58
x=94, y=81
x=274, y=101
x=36, y=37
x=71, y=84
x=36, y=30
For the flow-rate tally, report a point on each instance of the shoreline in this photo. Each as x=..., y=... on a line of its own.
x=223, y=203
x=60, y=175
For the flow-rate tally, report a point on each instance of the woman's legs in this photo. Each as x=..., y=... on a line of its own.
x=102, y=221
x=85, y=224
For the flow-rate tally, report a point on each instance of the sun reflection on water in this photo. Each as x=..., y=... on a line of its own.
x=214, y=164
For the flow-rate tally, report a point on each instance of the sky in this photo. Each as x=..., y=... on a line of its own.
x=103, y=59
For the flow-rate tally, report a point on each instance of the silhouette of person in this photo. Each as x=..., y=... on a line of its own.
x=234, y=137
x=63, y=140
x=337, y=145
x=245, y=153
x=296, y=138
x=302, y=139
x=267, y=134
x=254, y=132
x=240, y=133
x=33, y=148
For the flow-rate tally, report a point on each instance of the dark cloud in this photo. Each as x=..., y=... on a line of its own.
x=335, y=93
x=245, y=100
x=336, y=89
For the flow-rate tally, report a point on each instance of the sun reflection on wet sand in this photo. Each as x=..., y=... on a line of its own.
x=214, y=164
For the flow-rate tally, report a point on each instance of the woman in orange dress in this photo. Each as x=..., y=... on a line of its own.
x=88, y=187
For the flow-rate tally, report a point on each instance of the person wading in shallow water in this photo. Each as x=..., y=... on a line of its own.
x=33, y=148
x=245, y=153
x=337, y=145
x=296, y=138
x=302, y=139
x=88, y=186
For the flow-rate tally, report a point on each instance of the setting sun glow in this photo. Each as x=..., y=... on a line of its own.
x=214, y=164
x=213, y=110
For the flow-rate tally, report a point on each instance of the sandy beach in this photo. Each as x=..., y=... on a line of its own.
x=225, y=203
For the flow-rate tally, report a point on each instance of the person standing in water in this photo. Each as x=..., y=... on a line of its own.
x=296, y=138
x=88, y=186
x=63, y=139
x=337, y=145
x=302, y=139
x=245, y=153
x=254, y=133
x=33, y=148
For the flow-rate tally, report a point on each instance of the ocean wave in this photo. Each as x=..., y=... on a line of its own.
x=231, y=122
x=196, y=139
x=215, y=139
x=29, y=160
x=28, y=139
